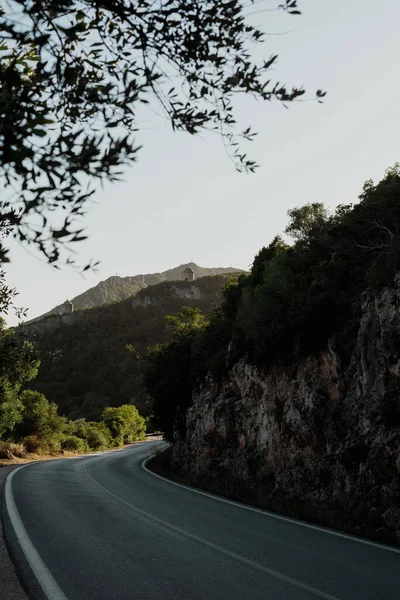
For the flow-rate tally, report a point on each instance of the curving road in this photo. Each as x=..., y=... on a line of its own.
x=103, y=528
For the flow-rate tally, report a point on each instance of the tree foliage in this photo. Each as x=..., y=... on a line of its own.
x=27, y=416
x=19, y=364
x=39, y=417
x=305, y=220
x=294, y=299
x=169, y=376
x=125, y=424
x=87, y=365
x=187, y=321
x=74, y=75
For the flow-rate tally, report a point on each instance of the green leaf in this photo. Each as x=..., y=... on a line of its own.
x=39, y=132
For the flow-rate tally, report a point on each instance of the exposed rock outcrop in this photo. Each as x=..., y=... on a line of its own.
x=319, y=439
x=181, y=291
x=48, y=324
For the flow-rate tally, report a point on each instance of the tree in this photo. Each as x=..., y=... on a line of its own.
x=125, y=424
x=169, y=378
x=19, y=361
x=185, y=322
x=7, y=294
x=73, y=76
x=304, y=219
x=39, y=417
x=19, y=364
x=96, y=435
x=276, y=247
x=295, y=299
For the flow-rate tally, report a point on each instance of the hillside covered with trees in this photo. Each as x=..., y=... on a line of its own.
x=31, y=424
x=92, y=362
x=295, y=298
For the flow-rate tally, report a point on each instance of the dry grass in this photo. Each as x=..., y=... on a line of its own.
x=6, y=462
x=24, y=458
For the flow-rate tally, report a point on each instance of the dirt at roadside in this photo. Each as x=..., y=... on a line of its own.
x=10, y=587
x=15, y=461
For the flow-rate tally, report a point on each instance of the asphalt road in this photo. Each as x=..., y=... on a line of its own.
x=102, y=528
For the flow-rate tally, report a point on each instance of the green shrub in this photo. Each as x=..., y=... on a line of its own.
x=138, y=436
x=78, y=428
x=98, y=439
x=40, y=418
x=74, y=444
x=125, y=424
x=18, y=365
x=52, y=443
x=95, y=434
x=34, y=445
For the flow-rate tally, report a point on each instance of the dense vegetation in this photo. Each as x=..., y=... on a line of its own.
x=169, y=378
x=85, y=364
x=29, y=423
x=293, y=300
x=295, y=297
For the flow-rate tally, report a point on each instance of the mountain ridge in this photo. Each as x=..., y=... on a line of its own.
x=116, y=288
x=85, y=364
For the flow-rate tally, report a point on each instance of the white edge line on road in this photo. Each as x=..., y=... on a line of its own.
x=267, y=513
x=45, y=579
x=251, y=563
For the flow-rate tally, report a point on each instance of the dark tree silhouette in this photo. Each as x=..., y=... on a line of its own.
x=73, y=75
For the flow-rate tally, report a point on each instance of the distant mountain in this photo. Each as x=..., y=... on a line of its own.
x=85, y=364
x=116, y=289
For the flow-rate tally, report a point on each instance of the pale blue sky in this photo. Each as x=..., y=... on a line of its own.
x=184, y=201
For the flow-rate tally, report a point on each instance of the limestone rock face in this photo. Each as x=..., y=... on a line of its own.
x=143, y=301
x=192, y=292
x=321, y=435
x=185, y=291
x=49, y=324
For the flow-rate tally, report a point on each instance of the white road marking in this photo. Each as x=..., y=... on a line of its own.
x=237, y=557
x=267, y=513
x=52, y=590
x=45, y=579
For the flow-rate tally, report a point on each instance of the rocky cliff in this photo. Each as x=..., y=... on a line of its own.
x=319, y=439
x=182, y=290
